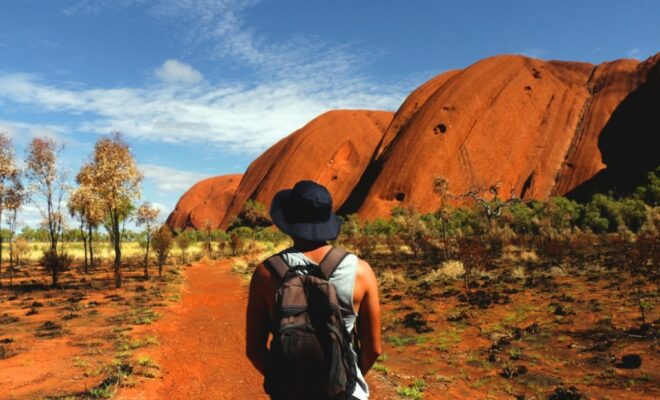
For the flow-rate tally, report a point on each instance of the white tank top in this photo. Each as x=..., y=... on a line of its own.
x=344, y=280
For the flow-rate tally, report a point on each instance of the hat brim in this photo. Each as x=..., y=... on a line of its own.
x=311, y=231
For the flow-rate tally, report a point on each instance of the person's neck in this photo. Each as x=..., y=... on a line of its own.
x=315, y=251
x=307, y=246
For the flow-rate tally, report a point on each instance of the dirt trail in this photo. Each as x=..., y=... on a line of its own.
x=201, y=355
x=202, y=341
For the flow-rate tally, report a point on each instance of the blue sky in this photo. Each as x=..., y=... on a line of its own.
x=202, y=87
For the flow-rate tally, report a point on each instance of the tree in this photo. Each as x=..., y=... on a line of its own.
x=14, y=199
x=45, y=181
x=84, y=204
x=253, y=215
x=7, y=171
x=183, y=241
x=441, y=188
x=147, y=215
x=114, y=175
x=489, y=200
x=208, y=237
x=161, y=241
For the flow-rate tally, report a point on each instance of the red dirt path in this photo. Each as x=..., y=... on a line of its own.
x=201, y=355
x=202, y=341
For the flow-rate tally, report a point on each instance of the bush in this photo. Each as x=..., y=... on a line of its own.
x=253, y=215
x=56, y=263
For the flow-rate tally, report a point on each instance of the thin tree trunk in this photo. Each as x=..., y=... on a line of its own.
x=1, y=240
x=117, y=242
x=84, y=238
x=90, y=233
x=11, y=259
x=146, y=258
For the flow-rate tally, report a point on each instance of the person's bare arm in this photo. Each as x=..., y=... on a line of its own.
x=257, y=317
x=368, y=318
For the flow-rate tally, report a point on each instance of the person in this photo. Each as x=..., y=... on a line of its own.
x=305, y=214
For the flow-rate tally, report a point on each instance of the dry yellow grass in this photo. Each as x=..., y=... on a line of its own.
x=102, y=250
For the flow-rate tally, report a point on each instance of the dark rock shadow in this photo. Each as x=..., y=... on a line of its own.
x=629, y=142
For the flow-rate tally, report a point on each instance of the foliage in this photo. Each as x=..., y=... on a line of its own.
x=147, y=215
x=42, y=172
x=253, y=215
x=56, y=263
x=183, y=241
x=650, y=193
x=114, y=175
x=161, y=241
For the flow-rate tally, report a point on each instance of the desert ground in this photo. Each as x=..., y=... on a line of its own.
x=527, y=331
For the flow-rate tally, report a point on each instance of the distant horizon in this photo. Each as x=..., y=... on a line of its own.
x=201, y=88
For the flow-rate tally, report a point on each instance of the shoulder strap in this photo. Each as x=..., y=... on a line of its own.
x=331, y=261
x=277, y=265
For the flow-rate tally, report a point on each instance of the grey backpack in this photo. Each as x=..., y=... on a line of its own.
x=310, y=355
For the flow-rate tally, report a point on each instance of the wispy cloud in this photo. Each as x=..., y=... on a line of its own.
x=26, y=131
x=290, y=82
x=175, y=71
x=169, y=179
x=237, y=116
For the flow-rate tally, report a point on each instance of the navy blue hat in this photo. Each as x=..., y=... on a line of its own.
x=305, y=212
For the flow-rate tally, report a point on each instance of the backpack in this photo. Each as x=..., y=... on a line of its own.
x=310, y=354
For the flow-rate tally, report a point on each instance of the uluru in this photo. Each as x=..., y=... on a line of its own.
x=333, y=149
x=538, y=128
x=204, y=205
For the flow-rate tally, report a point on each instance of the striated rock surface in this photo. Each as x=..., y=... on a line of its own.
x=205, y=203
x=539, y=128
x=333, y=149
x=531, y=125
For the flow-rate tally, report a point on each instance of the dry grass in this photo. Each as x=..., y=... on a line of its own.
x=102, y=250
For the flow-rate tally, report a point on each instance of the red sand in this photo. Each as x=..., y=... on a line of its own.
x=201, y=355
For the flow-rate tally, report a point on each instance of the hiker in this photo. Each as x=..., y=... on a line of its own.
x=312, y=355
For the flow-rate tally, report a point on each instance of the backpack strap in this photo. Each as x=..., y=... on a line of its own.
x=277, y=265
x=331, y=261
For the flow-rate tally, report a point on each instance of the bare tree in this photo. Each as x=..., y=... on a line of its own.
x=114, y=175
x=489, y=200
x=147, y=215
x=49, y=186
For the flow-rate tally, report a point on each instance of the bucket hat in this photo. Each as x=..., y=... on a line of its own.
x=305, y=212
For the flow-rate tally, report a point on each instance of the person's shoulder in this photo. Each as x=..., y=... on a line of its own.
x=262, y=275
x=364, y=270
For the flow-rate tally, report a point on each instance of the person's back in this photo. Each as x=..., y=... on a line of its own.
x=356, y=290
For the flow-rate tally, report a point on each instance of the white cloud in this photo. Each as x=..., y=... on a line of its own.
x=177, y=71
x=23, y=130
x=169, y=179
x=239, y=117
x=285, y=84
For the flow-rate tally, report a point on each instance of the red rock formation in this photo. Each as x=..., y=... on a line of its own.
x=532, y=125
x=333, y=149
x=205, y=202
x=541, y=128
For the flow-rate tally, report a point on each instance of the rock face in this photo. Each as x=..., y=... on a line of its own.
x=531, y=125
x=333, y=149
x=538, y=128
x=205, y=203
